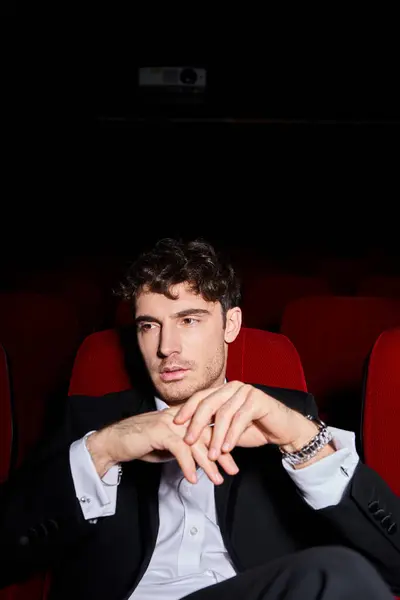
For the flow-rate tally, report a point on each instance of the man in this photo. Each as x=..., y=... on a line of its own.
x=202, y=488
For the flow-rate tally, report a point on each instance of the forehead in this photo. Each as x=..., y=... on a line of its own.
x=153, y=304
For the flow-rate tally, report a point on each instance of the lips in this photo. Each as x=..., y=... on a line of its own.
x=173, y=373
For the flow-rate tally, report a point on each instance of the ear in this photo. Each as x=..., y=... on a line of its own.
x=233, y=324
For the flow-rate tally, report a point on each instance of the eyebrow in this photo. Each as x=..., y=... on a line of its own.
x=182, y=313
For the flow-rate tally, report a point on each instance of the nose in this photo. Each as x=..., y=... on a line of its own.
x=169, y=341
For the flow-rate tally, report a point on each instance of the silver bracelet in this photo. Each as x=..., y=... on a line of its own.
x=323, y=437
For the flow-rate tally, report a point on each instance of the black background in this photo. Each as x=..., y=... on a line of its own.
x=294, y=147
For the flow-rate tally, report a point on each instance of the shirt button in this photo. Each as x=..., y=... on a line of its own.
x=194, y=531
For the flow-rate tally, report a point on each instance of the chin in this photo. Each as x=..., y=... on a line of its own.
x=176, y=391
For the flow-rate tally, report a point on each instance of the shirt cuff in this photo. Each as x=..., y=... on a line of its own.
x=97, y=497
x=324, y=482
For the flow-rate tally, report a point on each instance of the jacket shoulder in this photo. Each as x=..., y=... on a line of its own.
x=93, y=412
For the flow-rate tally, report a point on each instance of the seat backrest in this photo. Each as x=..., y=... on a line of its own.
x=99, y=366
x=255, y=356
x=334, y=336
x=265, y=296
x=33, y=589
x=123, y=314
x=258, y=356
x=379, y=285
x=6, y=418
x=41, y=334
x=381, y=408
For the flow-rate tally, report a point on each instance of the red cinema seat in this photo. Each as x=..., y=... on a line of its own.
x=41, y=334
x=265, y=297
x=334, y=336
x=381, y=408
x=380, y=285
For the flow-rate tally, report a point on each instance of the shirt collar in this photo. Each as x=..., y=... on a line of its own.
x=160, y=404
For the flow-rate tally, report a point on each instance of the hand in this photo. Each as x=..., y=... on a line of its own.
x=243, y=416
x=154, y=437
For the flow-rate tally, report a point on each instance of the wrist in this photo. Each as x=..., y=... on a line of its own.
x=305, y=432
x=305, y=451
x=97, y=446
x=323, y=453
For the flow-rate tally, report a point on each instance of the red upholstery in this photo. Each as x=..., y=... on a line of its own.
x=333, y=336
x=123, y=314
x=379, y=285
x=343, y=272
x=256, y=356
x=259, y=356
x=381, y=423
x=6, y=422
x=266, y=295
x=33, y=589
x=78, y=288
x=99, y=366
x=41, y=334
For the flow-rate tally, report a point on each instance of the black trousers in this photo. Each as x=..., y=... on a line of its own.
x=325, y=573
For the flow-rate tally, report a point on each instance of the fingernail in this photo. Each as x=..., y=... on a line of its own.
x=189, y=438
x=226, y=447
x=218, y=478
x=193, y=478
x=212, y=454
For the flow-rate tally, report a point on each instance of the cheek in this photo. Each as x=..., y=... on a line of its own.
x=147, y=346
x=206, y=345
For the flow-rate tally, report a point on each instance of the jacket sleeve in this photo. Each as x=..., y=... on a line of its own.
x=367, y=519
x=40, y=515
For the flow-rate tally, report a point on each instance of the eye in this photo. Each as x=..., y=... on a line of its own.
x=146, y=326
x=190, y=321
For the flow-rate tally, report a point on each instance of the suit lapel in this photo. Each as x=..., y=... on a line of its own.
x=221, y=495
x=149, y=475
x=224, y=502
x=135, y=402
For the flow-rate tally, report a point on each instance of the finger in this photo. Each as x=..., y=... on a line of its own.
x=183, y=455
x=240, y=422
x=206, y=409
x=199, y=451
x=189, y=408
x=222, y=421
x=228, y=463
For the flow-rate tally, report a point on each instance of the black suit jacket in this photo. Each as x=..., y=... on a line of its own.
x=261, y=514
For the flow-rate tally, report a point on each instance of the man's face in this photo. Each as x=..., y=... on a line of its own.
x=183, y=341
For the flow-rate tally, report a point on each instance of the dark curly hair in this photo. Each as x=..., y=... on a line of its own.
x=171, y=262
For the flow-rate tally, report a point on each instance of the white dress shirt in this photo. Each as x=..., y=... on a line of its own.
x=190, y=552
